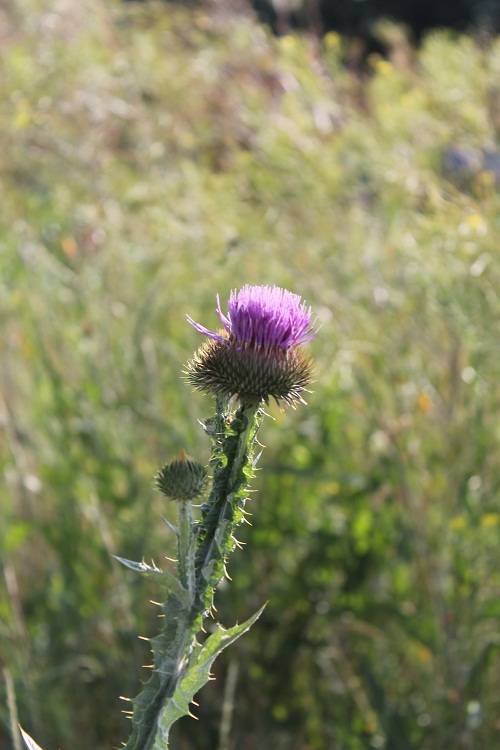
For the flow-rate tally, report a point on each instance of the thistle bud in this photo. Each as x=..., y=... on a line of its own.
x=182, y=479
x=258, y=354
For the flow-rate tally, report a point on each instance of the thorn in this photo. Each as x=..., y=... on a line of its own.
x=171, y=526
x=192, y=716
x=148, y=666
x=256, y=459
x=143, y=638
x=123, y=698
x=195, y=704
x=158, y=604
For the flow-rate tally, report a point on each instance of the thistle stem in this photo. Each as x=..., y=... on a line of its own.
x=201, y=565
x=185, y=546
x=225, y=504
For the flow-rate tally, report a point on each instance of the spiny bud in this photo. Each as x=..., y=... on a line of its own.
x=257, y=355
x=182, y=479
x=252, y=373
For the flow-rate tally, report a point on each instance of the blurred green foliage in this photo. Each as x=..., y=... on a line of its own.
x=151, y=157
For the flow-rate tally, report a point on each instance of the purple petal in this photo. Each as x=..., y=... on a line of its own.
x=205, y=331
x=264, y=316
x=225, y=321
x=269, y=316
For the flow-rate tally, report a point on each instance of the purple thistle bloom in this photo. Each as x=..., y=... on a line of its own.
x=258, y=354
x=263, y=316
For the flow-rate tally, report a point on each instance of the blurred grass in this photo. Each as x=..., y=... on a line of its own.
x=153, y=156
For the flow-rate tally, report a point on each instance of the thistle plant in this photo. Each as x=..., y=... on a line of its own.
x=257, y=355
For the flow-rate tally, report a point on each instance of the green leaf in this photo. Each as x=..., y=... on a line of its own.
x=196, y=675
x=166, y=578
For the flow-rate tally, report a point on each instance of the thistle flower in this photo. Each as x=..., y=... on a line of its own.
x=257, y=355
x=182, y=479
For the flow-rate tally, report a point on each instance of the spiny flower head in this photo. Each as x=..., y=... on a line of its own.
x=257, y=354
x=182, y=479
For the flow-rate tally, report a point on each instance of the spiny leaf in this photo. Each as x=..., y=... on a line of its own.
x=196, y=675
x=169, y=647
x=166, y=578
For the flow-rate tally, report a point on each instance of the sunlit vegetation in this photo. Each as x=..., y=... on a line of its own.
x=152, y=156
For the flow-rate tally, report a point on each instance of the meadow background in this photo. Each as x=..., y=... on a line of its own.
x=151, y=157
